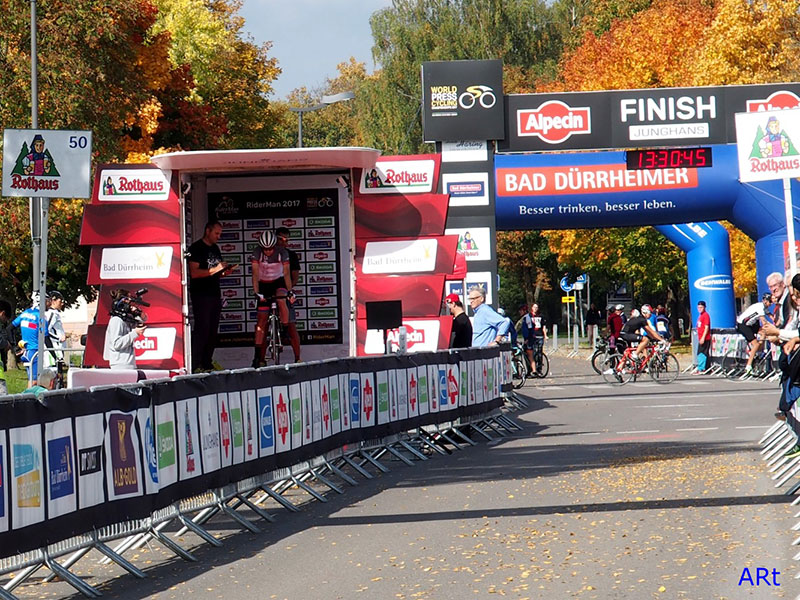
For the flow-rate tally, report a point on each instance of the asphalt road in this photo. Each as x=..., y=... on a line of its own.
x=633, y=492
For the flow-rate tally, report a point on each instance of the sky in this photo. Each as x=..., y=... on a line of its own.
x=310, y=37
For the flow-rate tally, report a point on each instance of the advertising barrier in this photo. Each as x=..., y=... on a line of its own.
x=74, y=461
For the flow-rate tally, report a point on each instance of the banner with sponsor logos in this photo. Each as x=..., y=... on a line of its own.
x=133, y=228
x=636, y=118
x=401, y=175
x=462, y=95
x=312, y=217
x=80, y=460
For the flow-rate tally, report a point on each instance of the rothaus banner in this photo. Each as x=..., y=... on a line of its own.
x=80, y=460
x=636, y=118
x=462, y=96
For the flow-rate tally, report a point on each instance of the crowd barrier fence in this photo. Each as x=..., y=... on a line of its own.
x=82, y=468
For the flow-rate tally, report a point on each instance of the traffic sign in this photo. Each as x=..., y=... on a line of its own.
x=567, y=299
x=581, y=278
x=565, y=284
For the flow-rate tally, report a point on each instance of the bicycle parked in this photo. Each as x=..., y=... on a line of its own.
x=733, y=364
x=659, y=362
x=540, y=358
x=520, y=367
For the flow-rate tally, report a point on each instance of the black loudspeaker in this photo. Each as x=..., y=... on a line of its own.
x=387, y=314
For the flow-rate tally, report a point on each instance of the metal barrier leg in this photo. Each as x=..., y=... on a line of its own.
x=238, y=518
x=122, y=562
x=449, y=440
x=792, y=491
x=368, y=458
x=510, y=422
x=339, y=473
x=792, y=472
x=412, y=450
x=279, y=499
x=194, y=527
x=200, y=518
x=259, y=511
x=173, y=546
x=72, y=579
x=770, y=431
x=480, y=430
x=74, y=557
x=324, y=480
x=397, y=454
x=309, y=489
x=463, y=435
x=427, y=439
x=357, y=467
x=4, y=595
x=20, y=577
x=779, y=435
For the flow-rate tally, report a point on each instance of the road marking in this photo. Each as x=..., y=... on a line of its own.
x=753, y=427
x=551, y=387
x=598, y=386
x=694, y=418
x=698, y=429
x=704, y=396
x=666, y=405
x=684, y=382
x=641, y=431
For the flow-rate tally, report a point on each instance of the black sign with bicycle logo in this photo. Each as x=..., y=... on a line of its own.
x=461, y=100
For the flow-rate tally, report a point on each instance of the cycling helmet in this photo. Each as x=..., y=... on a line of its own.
x=55, y=295
x=646, y=310
x=619, y=307
x=267, y=240
x=35, y=299
x=767, y=298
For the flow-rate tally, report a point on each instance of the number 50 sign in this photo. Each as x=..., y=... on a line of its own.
x=47, y=163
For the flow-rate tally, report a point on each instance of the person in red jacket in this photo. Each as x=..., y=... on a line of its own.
x=615, y=324
x=703, y=336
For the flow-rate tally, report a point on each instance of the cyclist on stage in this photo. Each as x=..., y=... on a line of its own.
x=749, y=322
x=270, y=266
x=630, y=331
x=534, y=332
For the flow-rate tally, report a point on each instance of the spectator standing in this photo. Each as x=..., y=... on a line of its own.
x=789, y=329
x=282, y=233
x=703, y=336
x=593, y=318
x=662, y=323
x=6, y=342
x=56, y=336
x=118, y=348
x=205, y=269
x=28, y=323
x=780, y=295
x=534, y=332
x=461, y=333
x=488, y=327
x=615, y=323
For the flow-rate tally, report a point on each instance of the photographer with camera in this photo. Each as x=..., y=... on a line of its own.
x=124, y=327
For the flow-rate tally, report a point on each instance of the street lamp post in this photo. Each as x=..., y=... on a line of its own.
x=326, y=101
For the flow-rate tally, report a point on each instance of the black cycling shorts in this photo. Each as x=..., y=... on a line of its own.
x=632, y=337
x=748, y=331
x=271, y=289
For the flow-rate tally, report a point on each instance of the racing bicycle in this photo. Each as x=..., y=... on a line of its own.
x=272, y=338
x=520, y=367
x=659, y=362
x=603, y=351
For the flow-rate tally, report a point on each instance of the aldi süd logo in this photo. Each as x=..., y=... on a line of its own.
x=554, y=121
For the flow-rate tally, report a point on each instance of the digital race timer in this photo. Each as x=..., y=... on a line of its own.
x=668, y=158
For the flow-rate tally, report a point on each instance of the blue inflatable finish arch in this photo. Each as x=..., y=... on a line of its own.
x=594, y=189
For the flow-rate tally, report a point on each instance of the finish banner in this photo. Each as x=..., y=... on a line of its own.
x=78, y=460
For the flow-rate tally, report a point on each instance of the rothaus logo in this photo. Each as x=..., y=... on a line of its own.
x=554, y=122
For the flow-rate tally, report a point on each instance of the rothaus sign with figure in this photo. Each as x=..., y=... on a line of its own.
x=636, y=118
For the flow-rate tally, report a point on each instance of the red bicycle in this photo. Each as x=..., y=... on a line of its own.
x=658, y=361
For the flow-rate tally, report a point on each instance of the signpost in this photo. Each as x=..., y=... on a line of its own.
x=767, y=145
x=45, y=164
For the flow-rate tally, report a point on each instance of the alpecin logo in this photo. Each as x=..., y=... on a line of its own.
x=780, y=100
x=413, y=336
x=145, y=344
x=554, y=122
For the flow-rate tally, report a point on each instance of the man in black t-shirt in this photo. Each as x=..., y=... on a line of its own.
x=282, y=233
x=461, y=333
x=630, y=331
x=534, y=332
x=205, y=269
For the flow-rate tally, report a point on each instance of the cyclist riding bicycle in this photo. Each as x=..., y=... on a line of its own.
x=270, y=266
x=630, y=331
x=749, y=322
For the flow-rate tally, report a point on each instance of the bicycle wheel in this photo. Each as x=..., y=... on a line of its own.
x=664, y=369
x=732, y=366
x=610, y=372
x=520, y=371
x=598, y=358
x=273, y=341
x=545, y=367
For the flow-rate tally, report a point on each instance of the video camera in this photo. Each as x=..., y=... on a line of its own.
x=127, y=306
